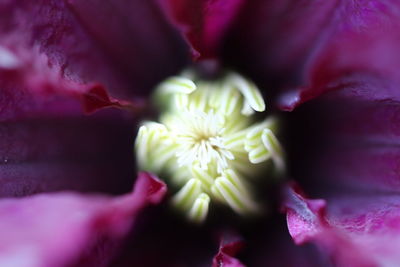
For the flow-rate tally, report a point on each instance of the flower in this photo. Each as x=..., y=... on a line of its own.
x=59, y=56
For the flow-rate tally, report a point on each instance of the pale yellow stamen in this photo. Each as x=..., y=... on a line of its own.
x=208, y=143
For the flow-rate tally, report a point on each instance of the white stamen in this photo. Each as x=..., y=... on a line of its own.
x=199, y=210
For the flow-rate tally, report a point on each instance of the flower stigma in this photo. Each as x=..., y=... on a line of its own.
x=209, y=143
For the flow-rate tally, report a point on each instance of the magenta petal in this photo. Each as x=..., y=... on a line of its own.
x=67, y=229
x=203, y=23
x=355, y=229
x=229, y=247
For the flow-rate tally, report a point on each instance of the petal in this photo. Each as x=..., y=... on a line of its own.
x=105, y=44
x=31, y=72
x=47, y=144
x=203, y=23
x=306, y=44
x=354, y=229
x=68, y=229
x=352, y=139
x=162, y=238
x=228, y=248
x=268, y=243
x=58, y=153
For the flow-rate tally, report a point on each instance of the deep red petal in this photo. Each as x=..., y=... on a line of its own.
x=67, y=229
x=203, y=23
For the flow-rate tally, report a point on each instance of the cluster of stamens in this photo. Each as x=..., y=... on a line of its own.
x=208, y=142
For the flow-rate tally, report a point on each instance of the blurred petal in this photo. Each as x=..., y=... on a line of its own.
x=67, y=229
x=355, y=229
x=104, y=44
x=203, y=23
x=307, y=44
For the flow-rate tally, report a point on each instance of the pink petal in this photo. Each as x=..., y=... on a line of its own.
x=203, y=23
x=356, y=229
x=67, y=229
x=229, y=247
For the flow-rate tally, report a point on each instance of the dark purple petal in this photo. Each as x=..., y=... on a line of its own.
x=355, y=229
x=67, y=229
x=352, y=139
x=203, y=23
x=308, y=44
x=76, y=153
x=47, y=143
x=347, y=59
x=275, y=247
x=95, y=41
x=163, y=238
x=362, y=151
x=35, y=78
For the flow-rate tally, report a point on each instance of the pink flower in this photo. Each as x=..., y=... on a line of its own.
x=74, y=79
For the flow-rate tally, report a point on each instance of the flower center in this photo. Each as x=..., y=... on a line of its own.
x=200, y=137
x=208, y=142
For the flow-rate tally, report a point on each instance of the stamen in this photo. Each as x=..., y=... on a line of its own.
x=253, y=98
x=199, y=210
x=207, y=144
